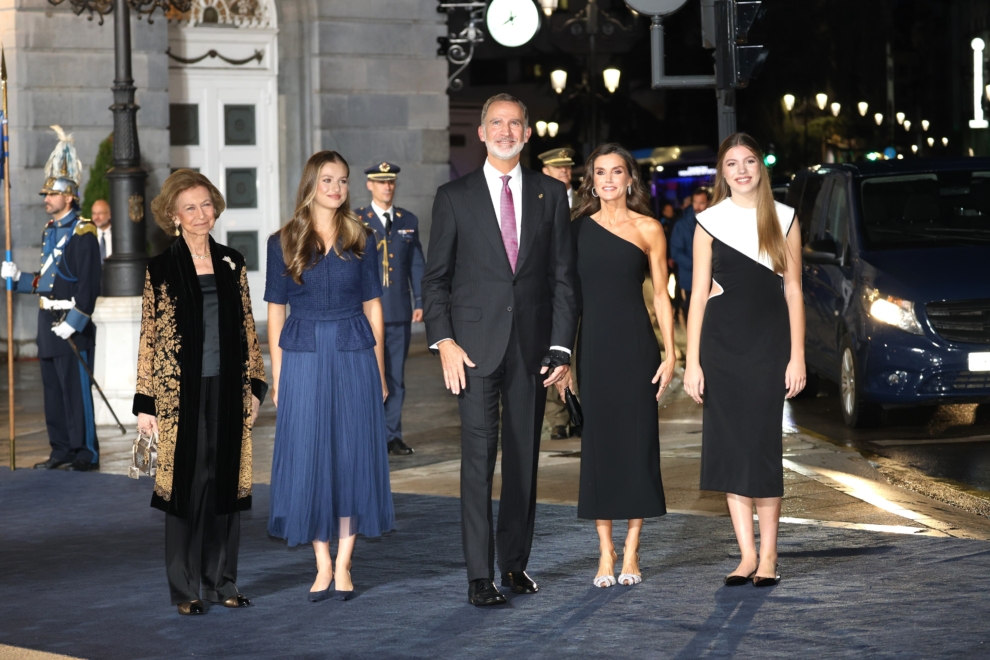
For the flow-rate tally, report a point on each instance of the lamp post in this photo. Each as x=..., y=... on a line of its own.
x=123, y=271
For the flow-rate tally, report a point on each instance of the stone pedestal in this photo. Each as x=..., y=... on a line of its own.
x=118, y=327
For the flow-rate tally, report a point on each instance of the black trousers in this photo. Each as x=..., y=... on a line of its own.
x=522, y=398
x=69, y=408
x=202, y=548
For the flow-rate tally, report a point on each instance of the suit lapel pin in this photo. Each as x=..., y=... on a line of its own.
x=541, y=195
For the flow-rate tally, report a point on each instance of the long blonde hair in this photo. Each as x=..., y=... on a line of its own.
x=771, y=237
x=302, y=246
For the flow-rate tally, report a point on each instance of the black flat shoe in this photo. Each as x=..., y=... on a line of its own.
x=519, y=583
x=738, y=580
x=50, y=464
x=237, y=601
x=482, y=592
x=82, y=466
x=766, y=581
x=343, y=595
x=317, y=596
x=399, y=448
x=559, y=433
x=192, y=608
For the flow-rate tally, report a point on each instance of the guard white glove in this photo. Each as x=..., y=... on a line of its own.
x=9, y=269
x=63, y=330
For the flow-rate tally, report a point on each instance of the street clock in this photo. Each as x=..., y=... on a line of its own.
x=512, y=22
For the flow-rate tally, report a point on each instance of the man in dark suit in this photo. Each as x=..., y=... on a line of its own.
x=499, y=299
x=401, y=269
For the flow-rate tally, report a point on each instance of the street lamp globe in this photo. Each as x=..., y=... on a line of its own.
x=541, y=128
x=931, y=142
x=924, y=125
x=945, y=142
x=552, y=129
x=788, y=102
x=878, y=118
x=835, y=109
x=558, y=80
x=914, y=148
x=863, y=107
x=907, y=124
x=822, y=100
x=548, y=6
x=900, y=117
x=611, y=77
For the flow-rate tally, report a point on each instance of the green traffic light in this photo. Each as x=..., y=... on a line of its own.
x=769, y=160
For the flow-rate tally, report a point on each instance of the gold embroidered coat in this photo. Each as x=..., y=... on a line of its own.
x=170, y=374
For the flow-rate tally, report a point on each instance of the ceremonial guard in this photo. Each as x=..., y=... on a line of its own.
x=68, y=284
x=401, y=269
x=558, y=163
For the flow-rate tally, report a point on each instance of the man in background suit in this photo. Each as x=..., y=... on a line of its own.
x=101, y=218
x=500, y=309
x=401, y=269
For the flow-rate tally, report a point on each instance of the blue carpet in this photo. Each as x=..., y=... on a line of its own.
x=81, y=573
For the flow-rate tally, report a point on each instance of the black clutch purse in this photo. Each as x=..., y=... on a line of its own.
x=573, y=407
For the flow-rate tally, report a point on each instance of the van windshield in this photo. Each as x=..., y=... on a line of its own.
x=951, y=207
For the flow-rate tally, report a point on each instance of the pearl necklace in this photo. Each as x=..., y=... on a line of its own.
x=205, y=256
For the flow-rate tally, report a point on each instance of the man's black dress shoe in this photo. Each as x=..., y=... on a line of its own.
x=192, y=607
x=397, y=446
x=239, y=600
x=482, y=592
x=82, y=466
x=559, y=433
x=50, y=464
x=519, y=583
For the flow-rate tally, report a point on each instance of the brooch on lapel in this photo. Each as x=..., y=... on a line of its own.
x=229, y=261
x=541, y=196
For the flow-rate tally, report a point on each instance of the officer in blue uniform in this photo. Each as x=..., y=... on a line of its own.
x=68, y=282
x=401, y=269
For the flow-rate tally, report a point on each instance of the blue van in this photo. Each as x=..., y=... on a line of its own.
x=896, y=276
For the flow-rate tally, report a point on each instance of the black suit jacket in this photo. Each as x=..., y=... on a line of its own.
x=470, y=293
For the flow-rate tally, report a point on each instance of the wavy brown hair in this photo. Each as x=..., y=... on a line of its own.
x=771, y=238
x=178, y=182
x=302, y=247
x=588, y=204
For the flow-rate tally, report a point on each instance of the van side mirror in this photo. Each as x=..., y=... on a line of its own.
x=821, y=251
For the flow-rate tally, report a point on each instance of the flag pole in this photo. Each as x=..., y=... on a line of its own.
x=9, y=257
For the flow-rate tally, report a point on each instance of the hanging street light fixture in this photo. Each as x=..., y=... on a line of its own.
x=835, y=109
x=945, y=142
x=822, y=100
x=907, y=124
x=878, y=118
x=931, y=142
x=789, y=102
x=548, y=6
x=900, y=117
x=558, y=80
x=541, y=128
x=552, y=129
x=863, y=106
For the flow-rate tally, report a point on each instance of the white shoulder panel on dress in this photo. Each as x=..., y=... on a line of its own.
x=736, y=227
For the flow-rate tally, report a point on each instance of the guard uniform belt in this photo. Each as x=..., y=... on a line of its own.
x=57, y=305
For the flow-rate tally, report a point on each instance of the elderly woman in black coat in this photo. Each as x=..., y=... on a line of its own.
x=200, y=382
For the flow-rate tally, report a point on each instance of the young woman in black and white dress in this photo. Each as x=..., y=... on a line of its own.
x=745, y=350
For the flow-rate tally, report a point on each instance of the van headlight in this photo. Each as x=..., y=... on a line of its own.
x=894, y=311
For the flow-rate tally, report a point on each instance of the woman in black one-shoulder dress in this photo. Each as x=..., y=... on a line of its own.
x=745, y=349
x=621, y=375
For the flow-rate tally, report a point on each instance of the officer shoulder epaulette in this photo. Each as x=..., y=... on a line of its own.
x=85, y=226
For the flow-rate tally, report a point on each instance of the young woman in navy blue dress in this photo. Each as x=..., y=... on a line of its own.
x=330, y=467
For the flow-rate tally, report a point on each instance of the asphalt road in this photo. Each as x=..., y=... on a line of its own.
x=950, y=442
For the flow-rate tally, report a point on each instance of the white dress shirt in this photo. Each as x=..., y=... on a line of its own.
x=101, y=233
x=570, y=198
x=380, y=212
x=494, y=179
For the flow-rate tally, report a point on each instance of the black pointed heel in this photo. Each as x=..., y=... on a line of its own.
x=317, y=596
x=343, y=595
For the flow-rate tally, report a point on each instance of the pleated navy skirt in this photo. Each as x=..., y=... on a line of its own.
x=331, y=451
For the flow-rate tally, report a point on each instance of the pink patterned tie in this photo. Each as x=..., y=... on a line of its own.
x=508, y=214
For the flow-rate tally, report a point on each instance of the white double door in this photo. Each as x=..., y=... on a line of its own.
x=224, y=125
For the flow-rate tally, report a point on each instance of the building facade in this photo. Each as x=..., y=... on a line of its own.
x=242, y=90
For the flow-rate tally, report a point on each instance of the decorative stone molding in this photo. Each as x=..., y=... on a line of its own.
x=236, y=13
